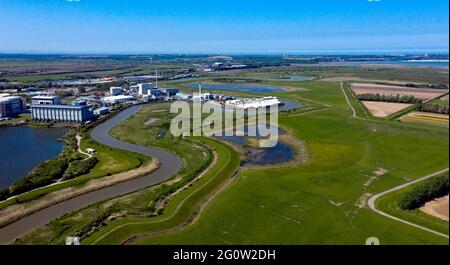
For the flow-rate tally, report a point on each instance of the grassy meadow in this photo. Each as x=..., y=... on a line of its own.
x=322, y=202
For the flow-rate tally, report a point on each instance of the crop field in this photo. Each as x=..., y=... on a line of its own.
x=420, y=93
x=384, y=109
x=426, y=118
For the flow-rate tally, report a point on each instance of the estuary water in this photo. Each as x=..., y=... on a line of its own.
x=23, y=148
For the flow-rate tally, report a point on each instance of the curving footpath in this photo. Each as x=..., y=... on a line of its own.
x=371, y=202
x=170, y=164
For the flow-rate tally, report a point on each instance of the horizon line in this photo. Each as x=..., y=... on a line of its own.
x=281, y=53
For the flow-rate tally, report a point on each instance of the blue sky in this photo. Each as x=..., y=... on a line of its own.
x=223, y=26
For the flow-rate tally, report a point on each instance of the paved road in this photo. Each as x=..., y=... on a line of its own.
x=169, y=165
x=371, y=202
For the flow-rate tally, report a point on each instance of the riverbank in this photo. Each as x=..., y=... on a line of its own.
x=12, y=195
x=170, y=164
x=23, y=148
x=18, y=211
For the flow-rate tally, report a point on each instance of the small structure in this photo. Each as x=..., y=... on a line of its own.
x=171, y=91
x=72, y=241
x=80, y=103
x=183, y=96
x=90, y=151
x=101, y=111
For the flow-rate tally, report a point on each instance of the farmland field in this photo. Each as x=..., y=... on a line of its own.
x=384, y=109
x=426, y=118
x=437, y=207
x=420, y=93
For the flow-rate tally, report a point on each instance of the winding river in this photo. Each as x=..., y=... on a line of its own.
x=170, y=164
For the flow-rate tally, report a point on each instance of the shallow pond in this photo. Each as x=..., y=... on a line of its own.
x=260, y=156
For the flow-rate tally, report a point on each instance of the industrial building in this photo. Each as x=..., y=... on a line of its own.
x=101, y=111
x=117, y=99
x=80, y=103
x=183, y=96
x=171, y=91
x=155, y=92
x=11, y=105
x=134, y=89
x=63, y=113
x=256, y=103
x=114, y=91
x=45, y=100
x=144, y=88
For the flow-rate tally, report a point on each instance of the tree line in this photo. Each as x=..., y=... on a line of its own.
x=389, y=98
x=426, y=191
x=434, y=108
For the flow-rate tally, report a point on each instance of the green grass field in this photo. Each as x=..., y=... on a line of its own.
x=316, y=203
x=180, y=208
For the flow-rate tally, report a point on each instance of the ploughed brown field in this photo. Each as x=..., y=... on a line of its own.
x=437, y=208
x=420, y=93
x=384, y=109
x=427, y=118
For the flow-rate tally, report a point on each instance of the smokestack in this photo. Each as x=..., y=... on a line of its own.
x=156, y=85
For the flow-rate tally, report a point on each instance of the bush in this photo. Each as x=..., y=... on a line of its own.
x=426, y=191
x=42, y=175
x=4, y=194
x=80, y=167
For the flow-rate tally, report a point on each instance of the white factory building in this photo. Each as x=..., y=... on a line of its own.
x=256, y=103
x=101, y=111
x=45, y=100
x=115, y=90
x=49, y=108
x=117, y=99
x=203, y=97
x=64, y=113
x=144, y=88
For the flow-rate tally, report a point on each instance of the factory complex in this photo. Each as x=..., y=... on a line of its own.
x=85, y=107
